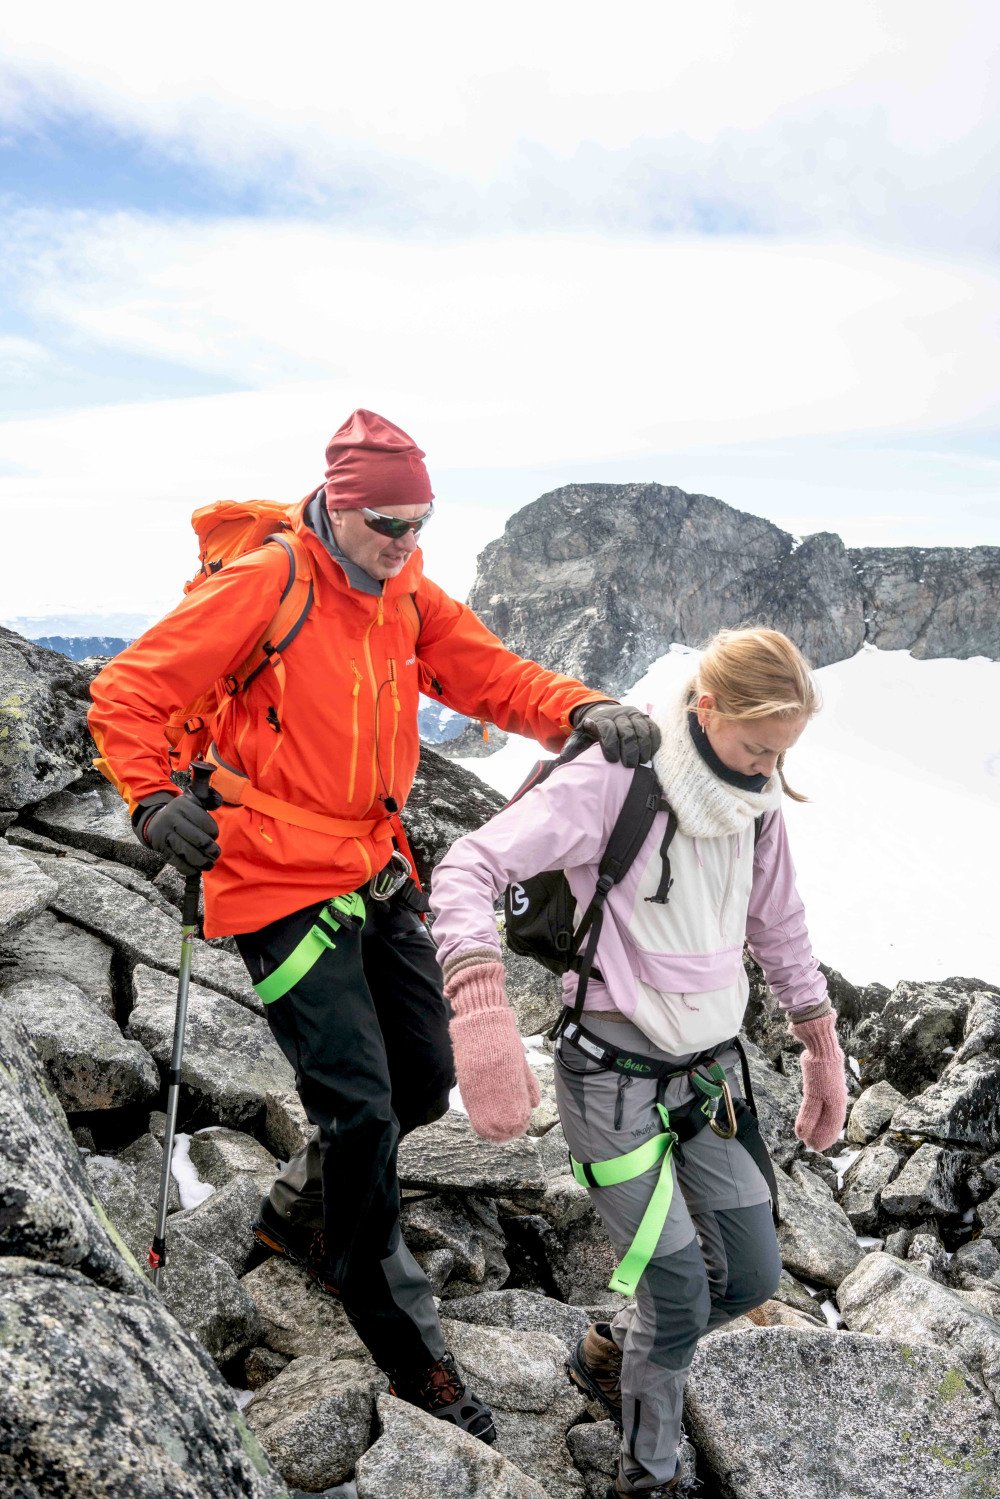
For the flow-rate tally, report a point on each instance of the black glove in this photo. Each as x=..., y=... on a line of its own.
x=180, y=829
x=623, y=733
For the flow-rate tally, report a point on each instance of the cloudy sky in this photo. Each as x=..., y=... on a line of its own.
x=750, y=250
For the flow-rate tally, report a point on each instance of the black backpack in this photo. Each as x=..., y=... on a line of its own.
x=539, y=912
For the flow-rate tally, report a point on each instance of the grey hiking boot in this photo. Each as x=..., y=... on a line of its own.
x=442, y=1391
x=595, y=1367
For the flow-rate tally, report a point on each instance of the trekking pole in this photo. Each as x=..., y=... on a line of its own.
x=201, y=773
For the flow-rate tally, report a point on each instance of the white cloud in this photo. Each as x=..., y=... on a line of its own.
x=499, y=355
x=868, y=117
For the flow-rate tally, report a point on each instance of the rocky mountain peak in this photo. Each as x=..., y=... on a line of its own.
x=599, y=579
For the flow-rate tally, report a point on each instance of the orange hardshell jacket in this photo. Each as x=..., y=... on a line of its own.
x=348, y=729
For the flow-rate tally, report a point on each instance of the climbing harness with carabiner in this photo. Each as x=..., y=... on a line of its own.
x=314, y=944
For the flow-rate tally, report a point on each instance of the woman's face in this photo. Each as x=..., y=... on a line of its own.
x=749, y=746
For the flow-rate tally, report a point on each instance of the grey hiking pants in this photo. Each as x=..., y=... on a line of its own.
x=717, y=1255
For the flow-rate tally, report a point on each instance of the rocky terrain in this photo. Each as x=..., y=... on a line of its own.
x=599, y=579
x=874, y=1372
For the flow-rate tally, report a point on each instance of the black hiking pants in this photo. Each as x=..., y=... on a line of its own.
x=366, y=1031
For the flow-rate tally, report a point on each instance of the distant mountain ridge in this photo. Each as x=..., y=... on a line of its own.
x=598, y=580
x=79, y=647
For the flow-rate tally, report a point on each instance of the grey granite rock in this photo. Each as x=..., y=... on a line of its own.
x=449, y=1156
x=810, y=1415
x=932, y=601
x=468, y=1227
x=581, y=1259
x=44, y=741
x=517, y=1371
x=890, y=1298
x=48, y=1208
x=871, y=1112
x=418, y=1456
x=144, y=1159
x=598, y=580
x=286, y=1127
x=58, y=949
x=24, y=891
x=594, y=1447
x=140, y=932
x=816, y=1237
x=534, y=993
x=91, y=815
x=778, y=1101
x=909, y=1042
x=961, y=1108
x=221, y=1224
x=314, y=1420
x=536, y=1442
x=987, y=1215
x=261, y=1365
x=196, y=1285
x=524, y=1311
x=864, y=1182
x=220, y=1155
x=231, y=1060
x=90, y=1063
x=930, y=1182
x=298, y=1318
x=445, y=802
x=105, y=1396
x=979, y=1258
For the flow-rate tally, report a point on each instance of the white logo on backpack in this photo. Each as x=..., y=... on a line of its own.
x=518, y=900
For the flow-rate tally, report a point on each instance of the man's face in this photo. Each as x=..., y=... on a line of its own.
x=379, y=556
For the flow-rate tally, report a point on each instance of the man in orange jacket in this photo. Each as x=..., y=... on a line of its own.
x=307, y=871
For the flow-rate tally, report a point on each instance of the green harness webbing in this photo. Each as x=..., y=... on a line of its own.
x=314, y=944
x=656, y=1151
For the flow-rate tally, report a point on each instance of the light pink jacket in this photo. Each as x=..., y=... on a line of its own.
x=675, y=970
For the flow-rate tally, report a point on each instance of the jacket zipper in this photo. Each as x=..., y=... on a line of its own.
x=395, y=725
x=354, y=732
x=374, y=683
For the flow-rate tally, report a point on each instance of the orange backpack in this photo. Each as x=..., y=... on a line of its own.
x=227, y=530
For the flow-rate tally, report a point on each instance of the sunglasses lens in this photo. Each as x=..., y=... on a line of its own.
x=389, y=525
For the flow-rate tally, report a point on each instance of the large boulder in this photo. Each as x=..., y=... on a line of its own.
x=893, y=1299
x=138, y=930
x=449, y=1156
x=90, y=1063
x=417, y=1456
x=297, y=1318
x=811, y=1415
x=929, y=1183
x=49, y=1210
x=92, y=815
x=445, y=802
x=105, y=1396
x=314, y=1420
x=816, y=1237
x=58, y=949
x=44, y=741
x=25, y=891
x=909, y=1042
x=231, y=1061
x=961, y=1108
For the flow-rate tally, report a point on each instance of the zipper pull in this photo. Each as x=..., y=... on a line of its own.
x=273, y=720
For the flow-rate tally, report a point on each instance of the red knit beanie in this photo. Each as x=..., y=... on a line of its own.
x=371, y=462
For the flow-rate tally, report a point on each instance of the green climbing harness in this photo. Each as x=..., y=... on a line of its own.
x=314, y=944
x=658, y=1151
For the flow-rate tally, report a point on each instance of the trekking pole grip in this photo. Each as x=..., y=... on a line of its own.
x=200, y=788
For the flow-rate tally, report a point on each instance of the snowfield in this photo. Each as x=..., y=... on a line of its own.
x=898, y=848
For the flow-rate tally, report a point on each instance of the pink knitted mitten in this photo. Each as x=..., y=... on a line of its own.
x=824, y=1090
x=498, y=1087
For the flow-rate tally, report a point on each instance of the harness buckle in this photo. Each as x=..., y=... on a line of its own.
x=385, y=884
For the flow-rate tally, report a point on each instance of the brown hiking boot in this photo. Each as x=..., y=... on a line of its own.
x=596, y=1368
x=302, y=1245
x=442, y=1391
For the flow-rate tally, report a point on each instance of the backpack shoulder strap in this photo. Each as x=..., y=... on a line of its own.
x=293, y=608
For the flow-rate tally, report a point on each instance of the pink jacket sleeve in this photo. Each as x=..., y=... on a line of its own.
x=560, y=824
x=776, y=925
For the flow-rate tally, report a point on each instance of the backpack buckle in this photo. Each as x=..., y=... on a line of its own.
x=231, y=685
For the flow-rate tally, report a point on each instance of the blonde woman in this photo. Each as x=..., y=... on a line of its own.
x=651, y=1059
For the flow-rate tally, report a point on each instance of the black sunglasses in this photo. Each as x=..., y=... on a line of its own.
x=392, y=526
